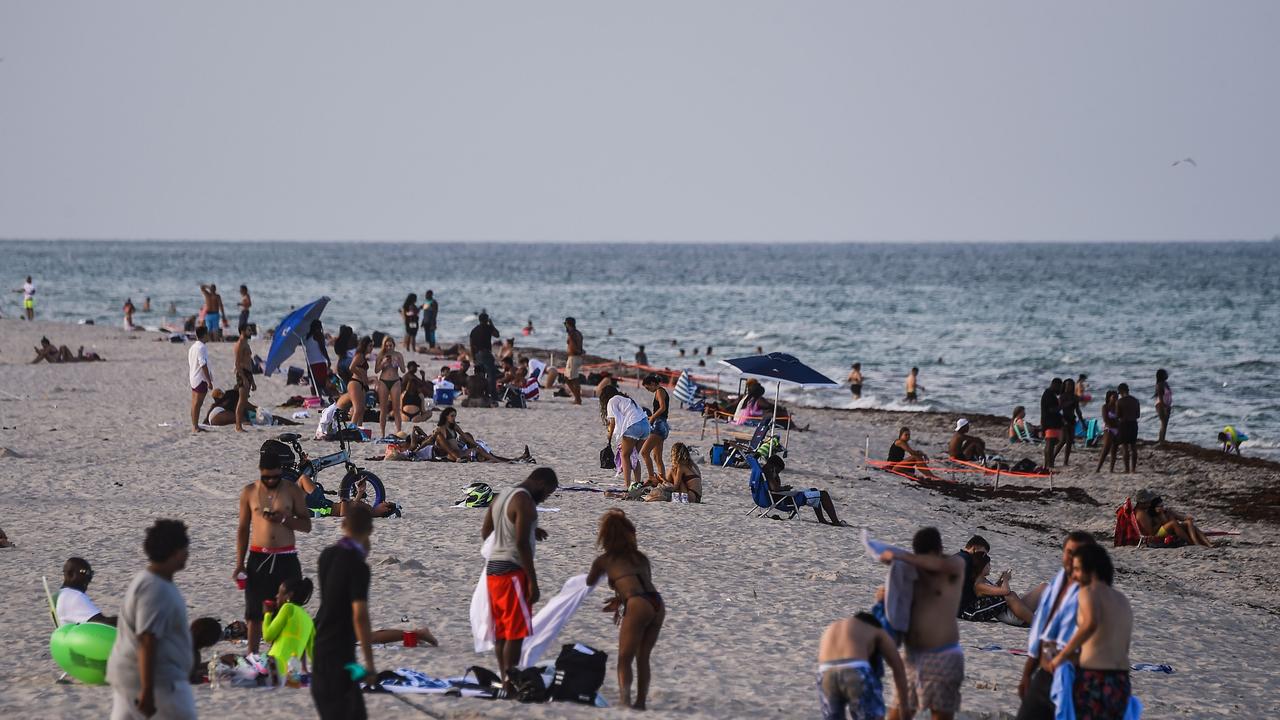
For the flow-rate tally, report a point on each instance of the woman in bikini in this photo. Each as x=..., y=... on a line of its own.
x=412, y=401
x=682, y=477
x=358, y=383
x=458, y=445
x=1069, y=405
x=1111, y=426
x=409, y=311
x=388, y=366
x=637, y=607
x=1164, y=401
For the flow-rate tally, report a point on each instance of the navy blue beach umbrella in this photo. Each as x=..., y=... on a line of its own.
x=779, y=368
x=290, y=333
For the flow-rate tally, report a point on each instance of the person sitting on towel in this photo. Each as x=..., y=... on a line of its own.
x=996, y=601
x=74, y=605
x=819, y=500
x=964, y=446
x=851, y=654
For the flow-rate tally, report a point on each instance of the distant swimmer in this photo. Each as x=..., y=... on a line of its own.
x=1184, y=161
x=855, y=381
x=1231, y=439
x=913, y=385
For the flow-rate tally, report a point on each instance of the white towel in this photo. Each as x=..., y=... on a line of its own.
x=481, y=616
x=554, y=616
x=899, y=584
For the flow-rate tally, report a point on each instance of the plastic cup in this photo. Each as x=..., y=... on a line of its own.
x=242, y=580
x=410, y=638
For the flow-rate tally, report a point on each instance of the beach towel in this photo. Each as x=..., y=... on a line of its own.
x=406, y=680
x=1060, y=692
x=1059, y=627
x=899, y=584
x=1126, y=525
x=548, y=621
x=481, y=616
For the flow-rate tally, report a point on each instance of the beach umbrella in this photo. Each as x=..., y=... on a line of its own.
x=779, y=368
x=290, y=333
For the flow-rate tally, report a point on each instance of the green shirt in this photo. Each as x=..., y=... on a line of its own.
x=291, y=633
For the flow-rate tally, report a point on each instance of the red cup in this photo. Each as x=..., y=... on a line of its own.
x=410, y=639
x=269, y=605
x=242, y=580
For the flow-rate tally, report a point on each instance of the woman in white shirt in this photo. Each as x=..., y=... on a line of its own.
x=627, y=423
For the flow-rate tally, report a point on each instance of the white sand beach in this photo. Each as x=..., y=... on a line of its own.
x=94, y=452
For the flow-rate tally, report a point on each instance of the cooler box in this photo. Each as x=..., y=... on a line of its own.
x=444, y=396
x=717, y=455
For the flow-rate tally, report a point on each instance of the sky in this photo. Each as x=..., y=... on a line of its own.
x=655, y=121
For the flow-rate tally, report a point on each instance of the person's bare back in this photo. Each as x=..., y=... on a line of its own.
x=847, y=639
x=1108, y=647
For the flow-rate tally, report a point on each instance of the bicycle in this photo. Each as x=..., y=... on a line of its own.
x=356, y=483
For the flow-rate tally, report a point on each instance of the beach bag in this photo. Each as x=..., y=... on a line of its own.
x=580, y=672
x=294, y=376
x=1023, y=466
x=529, y=685
x=606, y=458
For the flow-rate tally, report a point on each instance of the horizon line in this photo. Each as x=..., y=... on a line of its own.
x=544, y=241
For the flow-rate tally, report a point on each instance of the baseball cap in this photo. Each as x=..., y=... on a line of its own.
x=961, y=423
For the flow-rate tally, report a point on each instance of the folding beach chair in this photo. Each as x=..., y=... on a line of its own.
x=765, y=501
x=687, y=392
x=748, y=449
x=1023, y=434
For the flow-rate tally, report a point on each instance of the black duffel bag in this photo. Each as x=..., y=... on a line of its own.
x=579, y=673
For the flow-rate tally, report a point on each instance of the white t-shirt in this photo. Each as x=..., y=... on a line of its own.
x=197, y=357
x=314, y=354
x=75, y=607
x=28, y=291
x=625, y=413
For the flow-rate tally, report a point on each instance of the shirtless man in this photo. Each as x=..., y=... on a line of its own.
x=855, y=381
x=244, y=377
x=934, y=659
x=847, y=684
x=573, y=364
x=964, y=446
x=1054, y=620
x=913, y=385
x=271, y=511
x=1104, y=626
x=1129, y=410
x=214, y=316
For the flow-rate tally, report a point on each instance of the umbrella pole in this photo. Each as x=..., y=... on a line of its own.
x=310, y=375
x=773, y=428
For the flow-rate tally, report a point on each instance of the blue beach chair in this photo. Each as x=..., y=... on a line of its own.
x=765, y=501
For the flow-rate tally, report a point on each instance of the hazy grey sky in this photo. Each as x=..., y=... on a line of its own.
x=671, y=121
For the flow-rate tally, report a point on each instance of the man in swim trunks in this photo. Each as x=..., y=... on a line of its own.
x=430, y=313
x=29, y=299
x=198, y=375
x=271, y=511
x=964, y=446
x=214, y=315
x=1104, y=627
x=573, y=363
x=855, y=381
x=1129, y=410
x=510, y=575
x=1054, y=623
x=849, y=669
x=934, y=659
x=1051, y=420
x=913, y=385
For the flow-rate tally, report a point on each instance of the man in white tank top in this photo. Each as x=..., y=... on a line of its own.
x=510, y=575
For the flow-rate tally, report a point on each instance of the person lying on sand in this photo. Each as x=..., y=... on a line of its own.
x=819, y=500
x=223, y=410
x=964, y=446
x=1157, y=520
x=907, y=459
x=321, y=506
x=849, y=654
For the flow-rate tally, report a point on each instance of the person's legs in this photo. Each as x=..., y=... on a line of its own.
x=357, y=403
x=651, y=451
x=1133, y=453
x=627, y=446
x=1106, y=447
x=395, y=404
x=242, y=407
x=829, y=507
x=1050, y=450
x=1163, y=412
x=631, y=635
x=642, y=658
x=384, y=404
x=197, y=399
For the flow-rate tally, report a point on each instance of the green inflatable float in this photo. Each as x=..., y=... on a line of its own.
x=82, y=650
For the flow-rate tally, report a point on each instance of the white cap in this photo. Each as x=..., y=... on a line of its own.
x=961, y=423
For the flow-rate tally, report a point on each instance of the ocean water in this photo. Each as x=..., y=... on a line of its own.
x=987, y=324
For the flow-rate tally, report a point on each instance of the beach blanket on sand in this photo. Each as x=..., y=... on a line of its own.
x=899, y=584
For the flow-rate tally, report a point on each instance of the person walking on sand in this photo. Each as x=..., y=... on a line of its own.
x=913, y=385
x=409, y=313
x=638, y=609
x=214, y=315
x=848, y=683
x=245, y=303
x=430, y=312
x=151, y=658
x=244, y=378
x=934, y=658
x=271, y=512
x=855, y=381
x=198, y=375
x=1052, y=626
x=343, y=620
x=1164, y=402
x=1100, y=646
x=573, y=363
x=1129, y=410
x=510, y=576
x=1051, y=420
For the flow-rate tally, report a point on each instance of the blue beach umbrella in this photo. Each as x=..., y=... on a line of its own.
x=290, y=333
x=779, y=368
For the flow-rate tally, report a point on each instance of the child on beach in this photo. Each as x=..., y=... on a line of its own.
x=1231, y=439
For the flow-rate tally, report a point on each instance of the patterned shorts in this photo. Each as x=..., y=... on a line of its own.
x=1100, y=694
x=850, y=692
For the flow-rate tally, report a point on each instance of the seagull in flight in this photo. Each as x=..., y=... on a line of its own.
x=1188, y=161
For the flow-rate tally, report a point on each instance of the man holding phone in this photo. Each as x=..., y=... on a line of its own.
x=271, y=511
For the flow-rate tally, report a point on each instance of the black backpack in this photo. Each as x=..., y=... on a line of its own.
x=580, y=672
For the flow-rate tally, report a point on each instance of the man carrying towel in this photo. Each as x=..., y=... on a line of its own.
x=510, y=576
x=271, y=510
x=1051, y=628
x=934, y=659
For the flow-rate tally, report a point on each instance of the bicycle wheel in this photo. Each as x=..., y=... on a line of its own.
x=363, y=486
